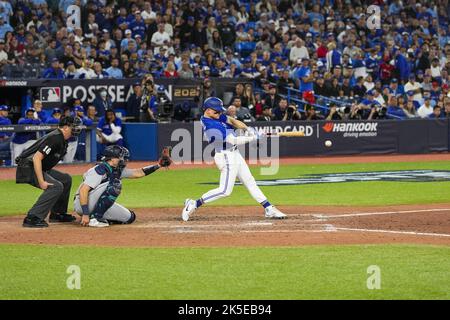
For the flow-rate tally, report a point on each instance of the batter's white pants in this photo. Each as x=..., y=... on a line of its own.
x=117, y=212
x=17, y=149
x=71, y=151
x=231, y=165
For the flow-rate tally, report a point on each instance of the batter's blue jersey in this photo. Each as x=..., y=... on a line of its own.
x=216, y=131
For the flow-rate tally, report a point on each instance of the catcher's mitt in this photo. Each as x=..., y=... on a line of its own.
x=165, y=161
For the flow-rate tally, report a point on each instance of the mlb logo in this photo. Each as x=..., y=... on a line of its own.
x=51, y=94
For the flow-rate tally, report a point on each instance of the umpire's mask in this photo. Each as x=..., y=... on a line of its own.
x=74, y=122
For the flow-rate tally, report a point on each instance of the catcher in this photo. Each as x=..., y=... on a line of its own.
x=95, y=199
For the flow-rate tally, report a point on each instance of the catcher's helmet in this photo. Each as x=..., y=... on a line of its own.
x=214, y=103
x=116, y=152
x=72, y=121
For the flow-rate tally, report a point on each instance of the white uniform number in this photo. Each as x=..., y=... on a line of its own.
x=47, y=150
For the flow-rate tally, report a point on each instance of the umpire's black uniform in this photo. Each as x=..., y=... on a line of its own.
x=55, y=198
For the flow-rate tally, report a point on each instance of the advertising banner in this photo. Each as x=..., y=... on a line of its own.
x=323, y=137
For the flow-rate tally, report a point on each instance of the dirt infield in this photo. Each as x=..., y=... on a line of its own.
x=246, y=226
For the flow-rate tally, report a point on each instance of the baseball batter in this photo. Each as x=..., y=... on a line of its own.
x=219, y=130
x=96, y=197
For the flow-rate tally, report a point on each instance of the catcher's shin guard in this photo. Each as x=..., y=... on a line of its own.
x=107, y=199
x=129, y=221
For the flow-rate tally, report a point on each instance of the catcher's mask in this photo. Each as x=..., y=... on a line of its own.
x=116, y=152
x=72, y=121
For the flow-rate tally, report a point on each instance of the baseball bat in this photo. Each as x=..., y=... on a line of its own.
x=286, y=134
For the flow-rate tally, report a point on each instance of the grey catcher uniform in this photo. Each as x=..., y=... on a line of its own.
x=104, y=182
x=98, y=179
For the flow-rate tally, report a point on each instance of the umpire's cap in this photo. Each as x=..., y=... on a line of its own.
x=215, y=104
x=74, y=122
x=115, y=152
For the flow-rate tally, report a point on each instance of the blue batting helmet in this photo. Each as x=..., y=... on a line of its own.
x=214, y=103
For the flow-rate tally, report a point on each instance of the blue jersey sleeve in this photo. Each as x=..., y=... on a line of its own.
x=101, y=123
x=87, y=121
x=5, y=121
x=223, y=118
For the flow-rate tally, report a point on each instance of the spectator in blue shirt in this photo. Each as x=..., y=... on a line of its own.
x=55, y=71
x=40, y=114
x=394, y=110
x=402, y=65
x=6, y=10
x=109, y=130
x=4, y=121
x=4, y=28
x=75, y=142
x=137, y=26
x=114, y=71
x=56, y=115
x=306, y=76
x=102, y=103
x=316, y=15
x=5, y=137
x=38, y=3
x=437, y=113
x=122, y=21
x=23, y=140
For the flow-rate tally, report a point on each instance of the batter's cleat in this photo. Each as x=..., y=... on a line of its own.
x=61, y=217
x=34, y=222
x=273, y=213
x=98, y=223
x=189, y=208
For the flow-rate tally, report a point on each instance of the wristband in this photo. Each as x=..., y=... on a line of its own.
x=150, y=169
x=85, y=209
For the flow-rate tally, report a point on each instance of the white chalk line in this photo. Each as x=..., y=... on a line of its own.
x=361, y=214
x=326, y=229
x=248, y=231
x=396, y=232
x=240, y=227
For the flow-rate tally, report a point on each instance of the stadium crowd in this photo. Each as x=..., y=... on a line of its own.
x=322, y=52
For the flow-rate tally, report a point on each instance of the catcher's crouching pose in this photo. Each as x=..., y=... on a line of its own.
x=96, y=197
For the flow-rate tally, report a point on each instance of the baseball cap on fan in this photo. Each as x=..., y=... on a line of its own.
x=56, y=110
x=78, y=109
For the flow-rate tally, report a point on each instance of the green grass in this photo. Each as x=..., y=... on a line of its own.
x=407, y=272
x=171, y=188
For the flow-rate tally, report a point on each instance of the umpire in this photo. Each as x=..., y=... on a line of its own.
x=34, y=166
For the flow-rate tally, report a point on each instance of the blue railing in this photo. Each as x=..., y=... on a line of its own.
x=323, y=98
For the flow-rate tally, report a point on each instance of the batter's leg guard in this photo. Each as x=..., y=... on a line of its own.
x=107, y=199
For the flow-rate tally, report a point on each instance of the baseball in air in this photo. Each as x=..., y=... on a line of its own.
x=328, y=143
